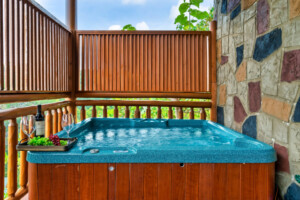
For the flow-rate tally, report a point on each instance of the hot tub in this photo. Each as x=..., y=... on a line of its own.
x=154, y=159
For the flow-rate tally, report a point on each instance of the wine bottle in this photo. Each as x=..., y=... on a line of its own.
x=39, y=122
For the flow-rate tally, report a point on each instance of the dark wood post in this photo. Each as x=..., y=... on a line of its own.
x=213, y=67
x=71, y=21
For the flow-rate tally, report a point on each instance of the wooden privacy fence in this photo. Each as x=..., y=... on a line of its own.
x=144, y=61
x=34, y=49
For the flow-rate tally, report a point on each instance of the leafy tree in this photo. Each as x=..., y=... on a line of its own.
x=191, y=18
x=128, y=27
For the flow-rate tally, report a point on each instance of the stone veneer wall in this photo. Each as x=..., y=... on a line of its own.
x=258, y=52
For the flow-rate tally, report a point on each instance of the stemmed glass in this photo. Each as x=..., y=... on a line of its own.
x=28, y=125
x=67, y=122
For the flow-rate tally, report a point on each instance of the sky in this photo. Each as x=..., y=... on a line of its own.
x=114, y=14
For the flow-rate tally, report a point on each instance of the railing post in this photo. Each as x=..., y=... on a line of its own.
x=54, y=122
x=170, y=113
x=213, y=73
x=159, y=112
x=203, y=114
x=59, y=118
x=116, y=112
x=12, y=158
x=2, y=158
x=23, y=162
x=148, y=112
x=180, y=113
x=104, y=111
x=137, y=113
x=82, y=113
x=127, y=112
x=94, y=111
x=192, y=116
x=48, y=125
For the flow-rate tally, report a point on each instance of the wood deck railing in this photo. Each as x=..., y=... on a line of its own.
x=38, y=61
x=34, y=55
x=53, y=117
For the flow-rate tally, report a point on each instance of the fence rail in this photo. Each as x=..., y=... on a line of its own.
x=34, y=49
x=143, y=61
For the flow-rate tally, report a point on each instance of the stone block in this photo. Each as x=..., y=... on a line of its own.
x=263, y=16
x=247, y=3
x=239, y=55
x=291, y=31
x=238, y=39
x=250, y=12
x=224, y=60
x=220, y=115
x=288, y=91
x=225, y=47
x=219, y=50
x=222, y=95
x=231, y=84
x=241, y=73
x=224, y=7
x=294, y=8
x=265, y=124
x=238, y=24
x=249, y=37
x=276, y=108
x=293, y=192
x=296, y=116
x=228, y=120
x=225, y=26
x=249, y=127
x=278, y=12
x=280, y=131
x=243, y=94
x=283, y=181
x=235, y=12
x=265, y=45
x=270, y=74
x=239, y=111
x=282, y=163
x=219, y=33
x=232, y=4
x=222, y=74
x=253, y=70
x=254, y=96
x=291, y=66
x=294, y=142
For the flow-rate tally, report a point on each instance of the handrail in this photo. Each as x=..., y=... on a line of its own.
x=192, y=104
x=48, y=14
x=151, y=32
x=30, y=110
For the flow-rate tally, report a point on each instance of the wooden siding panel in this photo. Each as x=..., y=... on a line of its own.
x=145, y=62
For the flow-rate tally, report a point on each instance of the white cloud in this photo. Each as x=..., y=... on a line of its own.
x=142, y=26
x=115, y=27
x=133, y=1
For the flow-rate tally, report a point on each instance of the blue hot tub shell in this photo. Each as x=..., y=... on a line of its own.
x=157, y=141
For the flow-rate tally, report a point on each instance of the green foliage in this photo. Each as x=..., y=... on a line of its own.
x=128, y=27
x=63, y=142
x=191, y=18
x=38, y=141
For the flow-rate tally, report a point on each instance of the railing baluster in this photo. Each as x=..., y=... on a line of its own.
x=65, y=111
x=82, y=113
x=59, y=117
x=170, y=113
x=104, y=111
x=23, y=162
x=116, y=112
x=54, y=121
x=192, y=116
x=159, y=112
x=180, y=113
x=2, y=157
x=127, y=112
x=12, y=158
x=203, y=114
x=48, y=125
x=137, y=113
x=94, y=111
x=148, y=112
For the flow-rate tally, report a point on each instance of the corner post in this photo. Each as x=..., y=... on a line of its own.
x=71, y=21
x=213, y=78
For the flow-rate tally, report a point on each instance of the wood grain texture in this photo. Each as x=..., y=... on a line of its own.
x=155, y=55
x=161, y=181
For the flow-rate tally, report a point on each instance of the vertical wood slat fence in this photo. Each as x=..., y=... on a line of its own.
x=53, y=125
x=144, y=61
x=34, y=49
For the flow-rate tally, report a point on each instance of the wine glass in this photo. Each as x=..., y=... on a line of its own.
x=28, y=126
x=67, y=122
